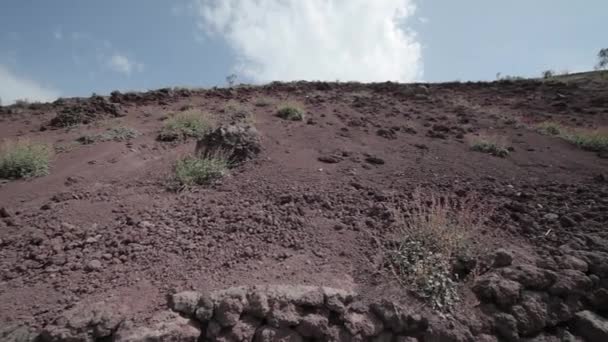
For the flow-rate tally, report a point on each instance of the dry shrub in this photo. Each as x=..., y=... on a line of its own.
x=264, y=102
x=24, y=159
x=239, y=112
x=291, y=111
x=550, y=128
x=492, y=144
x=436, y=244
x=120, y=133
x=184, y=125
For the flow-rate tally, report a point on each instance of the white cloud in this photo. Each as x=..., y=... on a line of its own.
x=177, y=10
x=121, y=63
x=58, y=34
x=358, y=40
x=81, y=36
x=14, y=88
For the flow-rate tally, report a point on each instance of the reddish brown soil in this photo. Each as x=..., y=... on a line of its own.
x=287, y=217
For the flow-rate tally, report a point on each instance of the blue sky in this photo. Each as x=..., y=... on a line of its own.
x=75, y=48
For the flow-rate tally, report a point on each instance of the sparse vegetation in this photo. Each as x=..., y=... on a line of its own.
x=65, y=146
x=590, y=140
x=264, y=102
x=231, y=80
x=586, y=139
x=434, y=232
x=120, y=133
x=198, y=170
x=68, y=117
x=239, y=112
x=291, y=112
x=24, y=159
x=602, y=59
x=508, y=78
x=22, y=102
x=548, y=74
x=550, y=128
x=490, y=144
x=183, y=125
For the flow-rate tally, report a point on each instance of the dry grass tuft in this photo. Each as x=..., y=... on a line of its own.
x=435, y=232
x=184, y=125
x=491, y=144
x=119, y=133
x=550, y=128
x=239, y=112
x=590, y=139
x=290, y=111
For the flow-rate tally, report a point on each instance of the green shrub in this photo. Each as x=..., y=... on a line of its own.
x=70, y=116
x=589, y=140
x=24, y=159
x=193, y=170
x=491, y=145
x=184, y=125
x=291, y=112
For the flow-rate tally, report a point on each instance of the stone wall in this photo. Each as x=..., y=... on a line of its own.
x=547, y=302
x=296, y=313
x=256, y=313
x=566, y=292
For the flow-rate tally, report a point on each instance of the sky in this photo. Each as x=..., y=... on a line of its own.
x=65, y=48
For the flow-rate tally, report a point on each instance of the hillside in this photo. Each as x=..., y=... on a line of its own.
x=323, y=203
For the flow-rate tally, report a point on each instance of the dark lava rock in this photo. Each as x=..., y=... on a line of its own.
x=591, y=326
x=374, y=160
x=329, y=159
x=502, y=258
x=241, y=142
x=494, y=289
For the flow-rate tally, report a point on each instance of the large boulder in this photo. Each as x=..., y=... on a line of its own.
x=284, y=314
x=494, y=289
x=530, y=276
x=85, y=323
x=168, y=326
x=314, y=326
x=591, y=326
x=229, y=311
x=271, y=334
x=366, y=325
x=244, y=330
x=571, y=282
x=505, y=326
x=239, y=141
x=185, y=302
x=17, y=333
x=531, y=314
